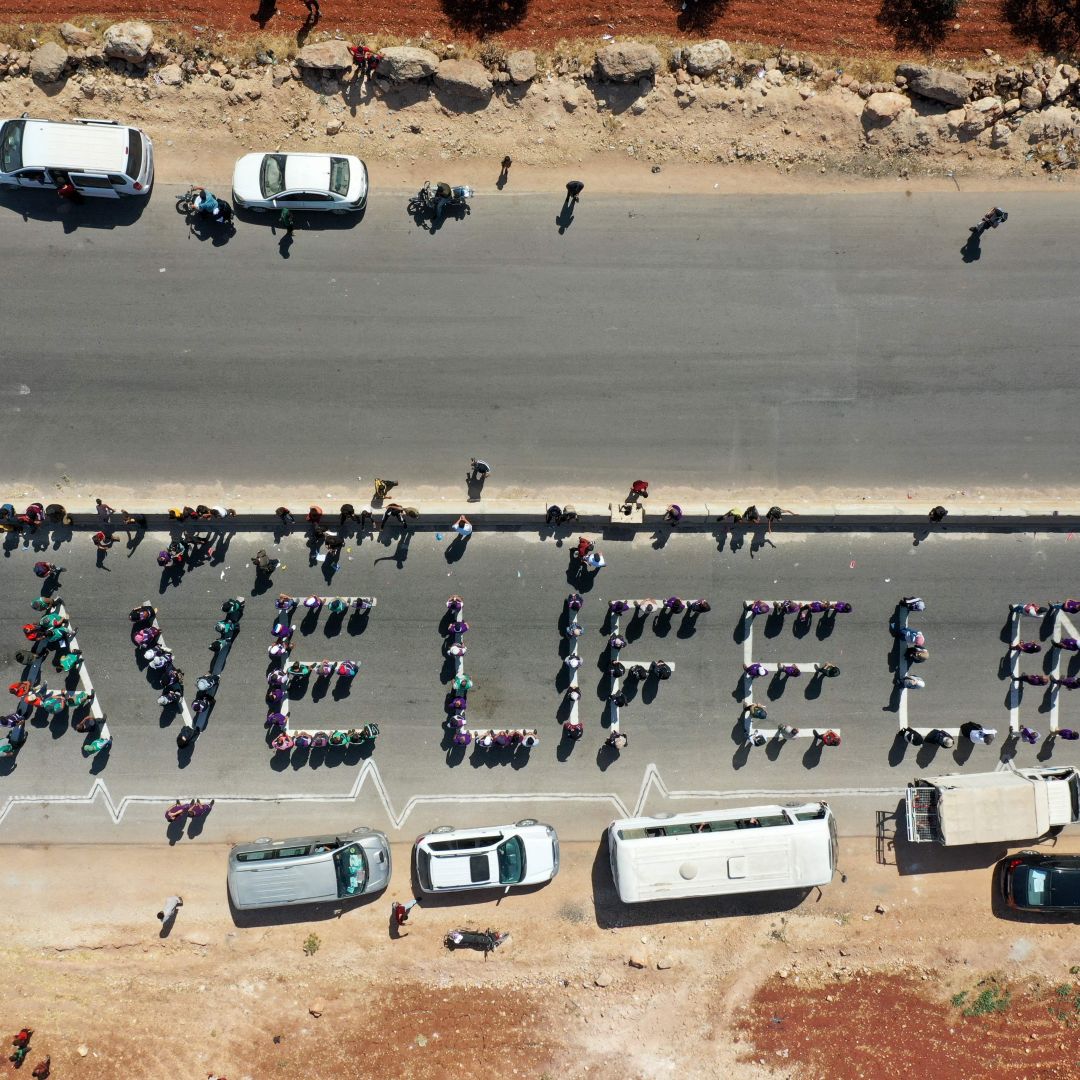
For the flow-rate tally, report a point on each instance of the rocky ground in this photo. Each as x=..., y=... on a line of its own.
x=883, y=975
x=704, y=104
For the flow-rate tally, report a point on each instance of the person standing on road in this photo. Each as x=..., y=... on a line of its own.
x=976, y=733
x=479, y=470
x=1032, y=680
x=913, y=603
x=827, y=738
x=168, y=912
x=1070, y=682
x=827, y=671
x=1029, y=735
x=1026, y=647
x=912, y=737
x=573, y=190
x=938, y=514
x=104, y=511
x=47, y=571
x=400, y=911
x=1069, y=644
x=786, y=731
x=937, y=737
x=774, y=514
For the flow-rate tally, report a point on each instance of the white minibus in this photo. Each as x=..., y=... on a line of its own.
x=722, y=852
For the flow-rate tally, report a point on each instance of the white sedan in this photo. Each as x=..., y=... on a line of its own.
x=451, y=860
x=337, y=182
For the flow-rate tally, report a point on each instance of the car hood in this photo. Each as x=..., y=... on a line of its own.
x=245, y=183
x=379, y=866
x=539, y=857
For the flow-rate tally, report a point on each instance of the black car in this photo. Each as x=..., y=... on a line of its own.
x=1033, y=881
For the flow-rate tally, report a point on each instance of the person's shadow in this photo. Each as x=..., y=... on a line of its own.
x=504, y=176
x=285, y=244
x=566, y=214
x=972, y=249
x=267, y=10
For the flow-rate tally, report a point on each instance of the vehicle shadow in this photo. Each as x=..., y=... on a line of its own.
x=92, y=214
x=298, y=913
x=303, y=220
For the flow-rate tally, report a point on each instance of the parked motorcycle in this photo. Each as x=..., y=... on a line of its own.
x=435, y=201
x=484, y=940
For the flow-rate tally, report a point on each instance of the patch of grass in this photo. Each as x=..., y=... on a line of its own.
x=959, y=999
x=312, y=944
x=492, y=54
x=779, y=933
x=843, y=918
x=991, y=1000
x=1064, y=990
x=573, y=913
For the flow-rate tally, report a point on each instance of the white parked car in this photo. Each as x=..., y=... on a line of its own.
x=337, y=182
x=451, y=860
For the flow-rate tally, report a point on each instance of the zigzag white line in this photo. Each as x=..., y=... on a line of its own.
x=651, y=783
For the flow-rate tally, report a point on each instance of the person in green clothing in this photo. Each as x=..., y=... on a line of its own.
x=71, y=661
x=286, y=221
x=96, y=746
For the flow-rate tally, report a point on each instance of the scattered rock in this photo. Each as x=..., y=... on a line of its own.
x=627, y=61
x=663, y=964
x=83, y=1050
x=197, y=939
x=171, y=75
x=317, y=1009
x=227, y=82
x=406, y=63
x=1031, y=98
x=880, y=909
x=603, y=980
x=521, y=66
x=75, y=35
x=468, y=78
x=708, y=57
x=1058, y=85
x=325, y=56
x=937, y=84
x=334, y=126
x=884, y=108
x=637, y=960
x=47, y=63
x=128, y=41
x=88, y=86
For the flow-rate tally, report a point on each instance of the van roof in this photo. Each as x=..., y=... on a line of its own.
x=101, y=147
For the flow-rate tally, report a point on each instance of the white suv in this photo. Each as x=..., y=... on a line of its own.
x=103, y=159
x=452, y=860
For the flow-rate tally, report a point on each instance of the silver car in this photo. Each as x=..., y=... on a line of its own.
x=308, y=869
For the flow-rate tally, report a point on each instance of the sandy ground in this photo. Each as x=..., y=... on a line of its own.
x=719, y=993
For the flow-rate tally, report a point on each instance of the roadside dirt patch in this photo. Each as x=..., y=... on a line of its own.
x=893, y=1027
x=823, y=26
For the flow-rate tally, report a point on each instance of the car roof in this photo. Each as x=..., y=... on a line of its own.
x=101, y=147
x=307, y=172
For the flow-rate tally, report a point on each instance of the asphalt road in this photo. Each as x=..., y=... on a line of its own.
x=515, y=585
x=772, y=343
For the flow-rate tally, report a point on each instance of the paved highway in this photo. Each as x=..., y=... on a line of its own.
x=773, y=343
x=515, y=585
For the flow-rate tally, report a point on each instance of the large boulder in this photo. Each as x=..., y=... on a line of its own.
x=1031, y=98
x=521, y=66
x=884, y=108
x=130, y=41
x=937, y=84
x=465, y=77
x=76, y=35
x=171, y=75
x=47, y=63
x=325, y=56
x=708, y=57
x=406, y=63
x=627, y=61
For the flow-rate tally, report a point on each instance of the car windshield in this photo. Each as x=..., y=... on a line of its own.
x=352, y=870
x=272, y=178
x=11, y=146
x=339, y=176
x=134, y=162
x=511, y=855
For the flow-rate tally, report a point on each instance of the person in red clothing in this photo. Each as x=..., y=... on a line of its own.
x=639, y=489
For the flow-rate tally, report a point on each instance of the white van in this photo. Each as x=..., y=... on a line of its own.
x=722, y=852
x=102, y=158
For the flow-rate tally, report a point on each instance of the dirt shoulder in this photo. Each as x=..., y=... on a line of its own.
x=879, y=956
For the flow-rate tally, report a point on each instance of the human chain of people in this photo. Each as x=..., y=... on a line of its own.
x=1033, y=629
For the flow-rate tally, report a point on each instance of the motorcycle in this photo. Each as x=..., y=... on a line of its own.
x=484, y=940
x=435, y=201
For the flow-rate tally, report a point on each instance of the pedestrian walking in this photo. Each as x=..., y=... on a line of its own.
x=103, y=540
x=774, y=514
x=788, y=671
x=1070, y=607
x=913, y=603
x=595, y=561
x=617, y=740
x=755, y=712
x=914, y=655
x=827, y=738
x=976, y=733
x=573, y=730
x=1029, y=735
x=1026, y=647
x=47, y=570
x=1069, y=682
x=104, y=511
x=639, y=489
x=910, y=682
x=699, y=606
x=938, y=514
x=827, y=671
x=751, y=515
x=553, y=515
x=616, y=642
x=786, y=731
x=382, y=487
x=785, y=607
x=573, y=190
x=479, y=470
x=169, y=910
x=313, y=11
x=660, y=669
x=1068, y=734
x=199, y=809
x=285, y=218
x=1033, y=611
x=911, y=736
x=758, y=607
x=1069, y=644
x=41, y=1069
x=755, y=670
